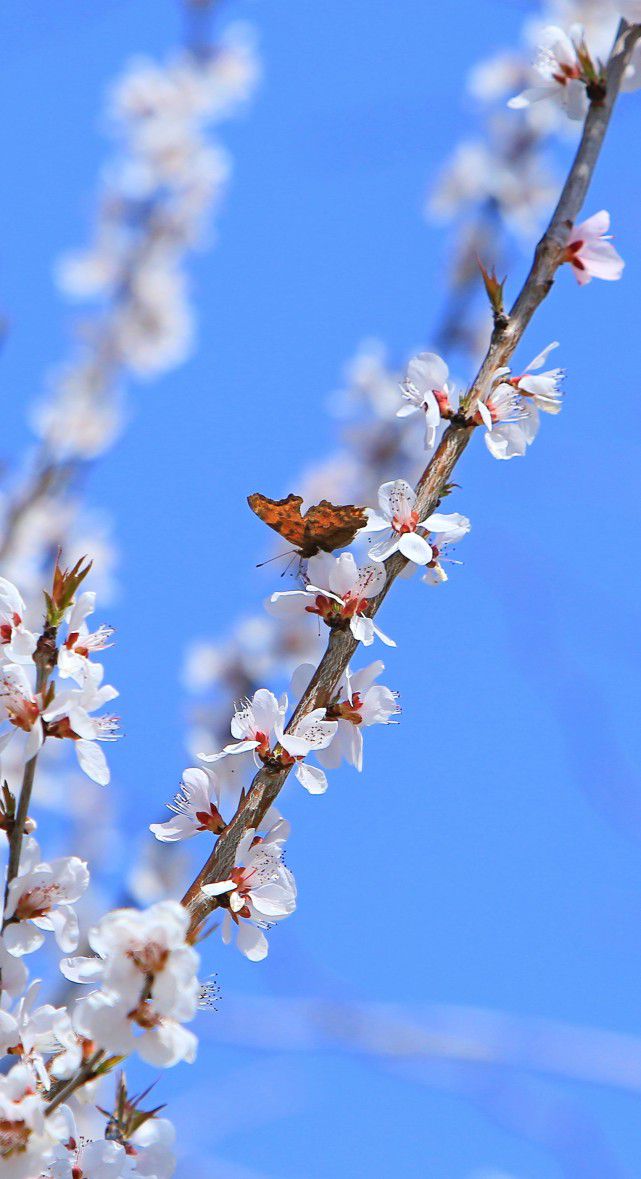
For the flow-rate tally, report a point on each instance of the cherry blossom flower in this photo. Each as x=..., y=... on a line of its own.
x=196, y=808
x=590, y=252
x=20, y=709
x=358, y=703
x=434, y=571
x=254, y=725
x=79, y=645
x=426, y=390
x=259, y=891
x=542, y=388
x=40, y=898
x=17, y=644
x=559, y=76
x=27, y=1137
x=152, y=1147
x=510, y=429
x=509, y=407
x=338, y=591
x=36, y=1032
x=148, y=1151
x=98, y=1159
x=310, y=734
x=69, y=716
x=149, y=986
x=397, y=502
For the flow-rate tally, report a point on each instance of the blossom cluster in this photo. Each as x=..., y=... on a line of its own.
x=499, y=184
x=167, y=175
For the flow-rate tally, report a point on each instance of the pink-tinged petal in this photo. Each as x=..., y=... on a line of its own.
x=312, y=778
x=603, y=261
x=595, y=227
x=583, y=277
x=415, y=548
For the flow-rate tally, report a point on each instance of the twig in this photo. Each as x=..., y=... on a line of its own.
x=82, y=1077
x=268, y=783
x=45, y=659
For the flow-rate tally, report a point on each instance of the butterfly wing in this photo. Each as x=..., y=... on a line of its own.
x=283, y=515
x=330, y=526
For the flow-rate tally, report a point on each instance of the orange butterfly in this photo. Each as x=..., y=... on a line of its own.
x=324, y=526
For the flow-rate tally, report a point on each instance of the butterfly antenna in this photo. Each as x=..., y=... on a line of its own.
x=276, y=558
x=289, y=564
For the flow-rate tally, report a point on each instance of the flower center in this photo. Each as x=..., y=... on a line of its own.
x=37, y=902
x=149, y=959
x=406, y=525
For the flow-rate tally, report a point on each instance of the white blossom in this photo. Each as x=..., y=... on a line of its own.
x=17, y=644
x=27, y=1137
x=36, y=1032
x=75, y=652
x=310, y=734
x=254, y=725
x=337, y=589
x=149, y=988
x=558, y=76
x=425, y=389
x=259, y=891
x=195, y=808
x=358, y=703
x=590, y=251
x=40, y=898
x=398, y=512
x=69, y=715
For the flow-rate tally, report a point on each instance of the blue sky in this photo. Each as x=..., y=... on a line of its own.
x=490, y=855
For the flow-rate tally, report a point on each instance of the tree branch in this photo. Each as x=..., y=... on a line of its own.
x=548, y=256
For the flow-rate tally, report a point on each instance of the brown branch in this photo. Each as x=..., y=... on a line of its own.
x=268, y=783
x=44, y=659
x=86, y=1073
